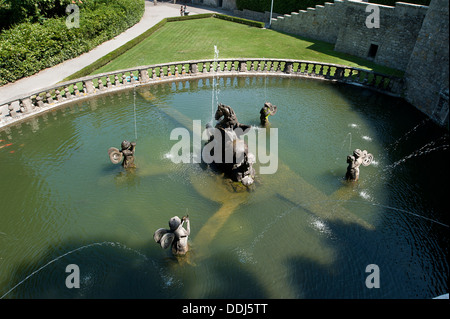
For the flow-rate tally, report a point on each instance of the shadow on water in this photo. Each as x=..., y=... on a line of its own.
x=409, y=243
x=401, y=273
x=405, y=247
x=111, y=270
x=414, y=150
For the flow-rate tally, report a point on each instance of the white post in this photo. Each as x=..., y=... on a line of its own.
x=270, y=18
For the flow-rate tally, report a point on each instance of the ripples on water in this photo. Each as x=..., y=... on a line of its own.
x=81, y=209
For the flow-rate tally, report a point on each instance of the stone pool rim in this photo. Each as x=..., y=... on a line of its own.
x=37, y=102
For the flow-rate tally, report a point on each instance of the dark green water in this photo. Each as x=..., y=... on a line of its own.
x=303, y=232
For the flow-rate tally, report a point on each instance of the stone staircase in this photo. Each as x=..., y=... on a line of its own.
x=321, y=22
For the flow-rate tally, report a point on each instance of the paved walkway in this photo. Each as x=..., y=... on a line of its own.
x=152, y=15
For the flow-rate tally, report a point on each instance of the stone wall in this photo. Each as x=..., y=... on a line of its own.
x=394, y=39
x=229, y=5
x=224, y=4
x=427, y=73
x=320, y=23
x=410, y=38
x=254, y=15
x=212, y=3
x=344, y=24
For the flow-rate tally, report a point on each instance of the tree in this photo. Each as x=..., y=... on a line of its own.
x=34, y=9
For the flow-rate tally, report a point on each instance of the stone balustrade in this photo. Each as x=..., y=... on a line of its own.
x=39, y=101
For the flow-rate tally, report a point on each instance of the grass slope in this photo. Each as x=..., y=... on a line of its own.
x=195, y=39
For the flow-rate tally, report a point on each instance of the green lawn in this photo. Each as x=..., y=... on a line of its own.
x=195, y=39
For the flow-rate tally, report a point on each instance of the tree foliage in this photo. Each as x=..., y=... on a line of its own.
x=17, y=11
x=30, y=46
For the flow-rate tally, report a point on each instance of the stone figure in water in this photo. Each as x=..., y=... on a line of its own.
x=128, y=149
x=244, y=172
x=229, y=118
x=126, y=153
x=267, y=110
x=176, y=236
x=240, y=168
x=355, y=161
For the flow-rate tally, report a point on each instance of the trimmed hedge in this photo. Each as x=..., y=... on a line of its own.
x=248, y=22
x=251, y=23
x=119, y=51
x=288, y=6
x=28, y=48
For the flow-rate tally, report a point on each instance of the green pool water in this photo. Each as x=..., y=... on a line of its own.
x=301, y=233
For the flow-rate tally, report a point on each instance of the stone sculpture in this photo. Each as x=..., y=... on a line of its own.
x=176, y=236
x=240, y=168
x=267, y=110
x=229, y=119
x=126, y=154
x=355, y=161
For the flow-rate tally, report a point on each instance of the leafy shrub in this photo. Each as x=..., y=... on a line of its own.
x=29, y=47
x=14, y=12
x=18, y=11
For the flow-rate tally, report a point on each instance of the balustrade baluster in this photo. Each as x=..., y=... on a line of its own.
x=278, y=66
x=265, y=66
x=49, y=98
x=305, y=68
x=58, y=96
x=318, y=69
x=39, y=101
x=243, y=66
x=325, y=71
x=88, y=87
x=67, y=94
x=193, y=68
x=339, y=73
x=288, y=67
x=271, y=66
x=143, y=76
x=12, y=111
x=258, y=66
x=27, y=105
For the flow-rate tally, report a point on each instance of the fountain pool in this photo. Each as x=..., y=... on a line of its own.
x=302, y=233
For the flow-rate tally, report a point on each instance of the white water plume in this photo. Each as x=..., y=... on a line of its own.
x=215, y=88
x=407, y=134
x=424, y=150
x=113, y=244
